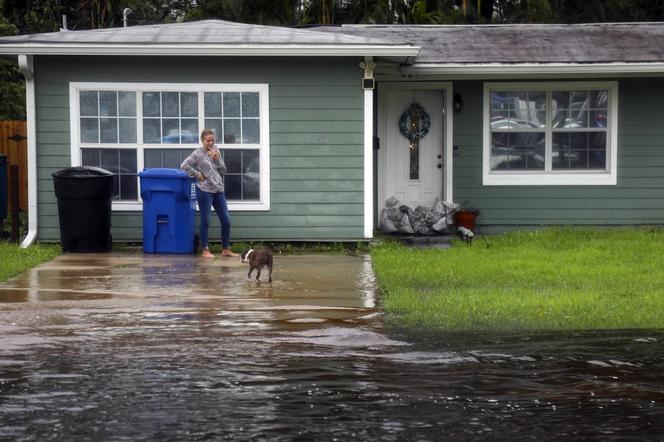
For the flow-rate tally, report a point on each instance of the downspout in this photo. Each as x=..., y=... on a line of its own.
x=25, y=64
x=368, y=86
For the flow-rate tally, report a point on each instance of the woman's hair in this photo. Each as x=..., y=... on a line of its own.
x=205, y=133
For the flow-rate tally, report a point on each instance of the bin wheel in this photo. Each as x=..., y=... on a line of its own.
x=196, y=242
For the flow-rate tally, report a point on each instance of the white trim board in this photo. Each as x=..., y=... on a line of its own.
x=447, y=89
x=549, y=177
x=264, y=146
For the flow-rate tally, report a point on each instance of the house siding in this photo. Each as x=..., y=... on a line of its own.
x=638, y=197
x=316, y=139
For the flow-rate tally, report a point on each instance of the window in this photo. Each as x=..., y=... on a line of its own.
x=550, y=133
x=125, y=128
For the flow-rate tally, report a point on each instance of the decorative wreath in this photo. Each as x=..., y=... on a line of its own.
x=415, y=122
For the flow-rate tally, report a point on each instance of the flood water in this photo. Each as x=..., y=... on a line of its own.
x=127, y=347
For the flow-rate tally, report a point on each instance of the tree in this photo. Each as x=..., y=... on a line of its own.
x=12, y=86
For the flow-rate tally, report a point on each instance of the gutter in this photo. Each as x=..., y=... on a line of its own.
x=25, y=64
x=533, y=68
x=276, y=50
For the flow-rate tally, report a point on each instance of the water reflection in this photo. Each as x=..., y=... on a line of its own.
x=304, y=358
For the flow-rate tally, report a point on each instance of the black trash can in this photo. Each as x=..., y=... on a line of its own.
x=3, y=187
x=84, y=208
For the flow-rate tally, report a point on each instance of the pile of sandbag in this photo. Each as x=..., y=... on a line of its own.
x=397, y=217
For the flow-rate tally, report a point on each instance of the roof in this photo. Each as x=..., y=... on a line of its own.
x=207, y=37
x=449, y=49
x=541, y=43
x=525, y=49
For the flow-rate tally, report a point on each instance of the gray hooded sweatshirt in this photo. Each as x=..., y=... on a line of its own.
x=199, y=163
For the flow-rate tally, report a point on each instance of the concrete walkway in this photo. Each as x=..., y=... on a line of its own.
x=306, y=289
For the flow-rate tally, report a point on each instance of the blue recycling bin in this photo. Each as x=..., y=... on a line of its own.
x=169, y=211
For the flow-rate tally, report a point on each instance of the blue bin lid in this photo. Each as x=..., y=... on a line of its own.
x=163, y=172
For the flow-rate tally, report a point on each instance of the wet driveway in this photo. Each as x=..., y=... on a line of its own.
x=133, y=347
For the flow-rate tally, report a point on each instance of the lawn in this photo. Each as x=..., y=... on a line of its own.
x=553, y=279
x=14, y=259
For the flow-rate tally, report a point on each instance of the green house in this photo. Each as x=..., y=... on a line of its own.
x=532, y=124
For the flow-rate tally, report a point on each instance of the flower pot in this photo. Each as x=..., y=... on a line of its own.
x=465, y=218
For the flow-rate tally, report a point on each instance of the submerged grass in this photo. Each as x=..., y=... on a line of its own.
x=14, y=259
x=553, y=279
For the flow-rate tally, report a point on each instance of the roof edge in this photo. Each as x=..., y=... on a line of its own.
x=279, y=50
x=534, y=68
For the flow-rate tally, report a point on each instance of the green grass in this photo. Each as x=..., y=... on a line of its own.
x=14, y=259
x=554, y=279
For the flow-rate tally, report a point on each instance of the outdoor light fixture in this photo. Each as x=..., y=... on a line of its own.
x=457, y=103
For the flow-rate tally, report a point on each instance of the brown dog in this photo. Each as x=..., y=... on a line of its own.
x=257, y=259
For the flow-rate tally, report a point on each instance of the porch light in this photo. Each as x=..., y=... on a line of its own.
x=457, y=103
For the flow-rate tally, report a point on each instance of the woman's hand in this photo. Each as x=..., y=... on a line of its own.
x=213, y=154
x=201, y=177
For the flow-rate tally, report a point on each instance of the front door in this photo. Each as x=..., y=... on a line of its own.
x=411, y=170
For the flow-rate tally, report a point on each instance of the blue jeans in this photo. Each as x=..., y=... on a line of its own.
x=206, y=200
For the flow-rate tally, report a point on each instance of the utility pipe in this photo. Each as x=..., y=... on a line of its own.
x=25, y=64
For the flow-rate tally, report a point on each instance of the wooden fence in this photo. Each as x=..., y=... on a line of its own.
x=13, y=137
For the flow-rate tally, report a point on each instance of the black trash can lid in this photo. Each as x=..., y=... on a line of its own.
x=81, y=172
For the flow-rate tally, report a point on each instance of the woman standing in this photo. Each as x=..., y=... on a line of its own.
x=206, y=165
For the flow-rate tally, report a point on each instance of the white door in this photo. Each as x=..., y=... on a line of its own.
x=411, y=172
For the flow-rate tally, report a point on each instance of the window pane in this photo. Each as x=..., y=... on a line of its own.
x=108, y=104
x=517, y=151
x=251, y=174
x=499, y=101
x=233, y=187
x=250, y=104
x=189, y=104
x=152, y=130
x=89, y=130
x=127, y=161
x=216, y=126
x=232, y=131
x=212, y=101
x=109, y=130
x=251, y=187
x=122, y=162
x=152, y=158
x=170, y=104
x=128, y=187
x=109, y=160
x=90, y=157
x=127, y=104
x=89, y=104
x=599, y=99
x=579, y=150
x=561, y=150
x=171, y=158
x=170, y=131
x=233, y=160
x=231, y=104
x=250, y=131
x=151, y=104
x=529, y=109
x=598, y=118
x=127, y=130
x=189, y=131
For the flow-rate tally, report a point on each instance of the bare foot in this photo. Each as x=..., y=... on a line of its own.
x=228, y=252
x=206, y=254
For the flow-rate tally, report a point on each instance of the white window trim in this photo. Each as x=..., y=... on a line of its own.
x=263, y=89
x=552, y=178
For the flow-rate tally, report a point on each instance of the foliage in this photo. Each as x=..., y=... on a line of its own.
x=562, y=279
x=14, y=259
